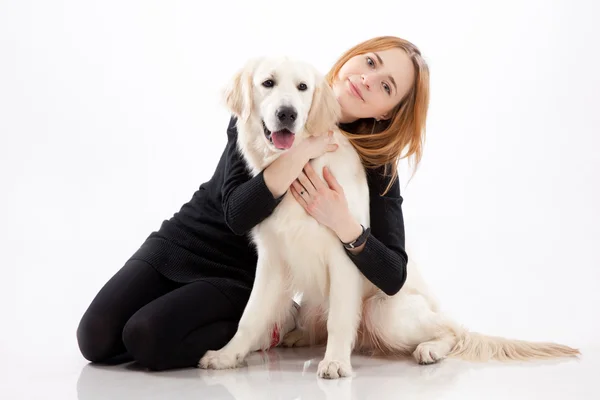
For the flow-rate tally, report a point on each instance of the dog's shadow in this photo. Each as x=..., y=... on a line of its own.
x=278, y=374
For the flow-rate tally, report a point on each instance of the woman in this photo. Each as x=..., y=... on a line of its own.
x=183, y=292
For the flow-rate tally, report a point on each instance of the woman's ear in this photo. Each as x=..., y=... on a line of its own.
x=385, y=116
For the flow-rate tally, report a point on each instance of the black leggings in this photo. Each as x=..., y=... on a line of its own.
x=141, y=315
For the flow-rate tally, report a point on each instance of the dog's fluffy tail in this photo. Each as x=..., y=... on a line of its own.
x=473, y=346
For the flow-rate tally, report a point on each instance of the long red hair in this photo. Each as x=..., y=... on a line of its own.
x=381, y=143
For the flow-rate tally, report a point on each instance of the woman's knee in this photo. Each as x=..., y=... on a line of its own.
x=98, y=337
x=144, y=342
x=153, y=346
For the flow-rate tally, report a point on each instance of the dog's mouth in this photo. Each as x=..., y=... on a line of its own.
x=282, y=139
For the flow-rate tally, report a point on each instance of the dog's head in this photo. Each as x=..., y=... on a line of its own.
x=283, y=99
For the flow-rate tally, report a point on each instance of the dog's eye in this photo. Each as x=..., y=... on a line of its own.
x=268, y=83
x=302, y=87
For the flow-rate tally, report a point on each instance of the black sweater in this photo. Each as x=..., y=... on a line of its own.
x=208, y=238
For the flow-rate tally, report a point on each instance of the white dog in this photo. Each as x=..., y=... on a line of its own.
x=279, y=102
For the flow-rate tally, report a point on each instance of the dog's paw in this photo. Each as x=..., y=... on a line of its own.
x=428, y=353
x=295, y=338
x=220, y=359
x=331, y=369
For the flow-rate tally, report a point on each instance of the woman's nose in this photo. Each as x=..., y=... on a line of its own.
x=367, y=80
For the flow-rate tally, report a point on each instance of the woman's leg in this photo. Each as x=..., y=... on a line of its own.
x=175, y=330
x=99, y=334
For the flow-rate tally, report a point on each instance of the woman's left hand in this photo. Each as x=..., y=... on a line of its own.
x=326, y=202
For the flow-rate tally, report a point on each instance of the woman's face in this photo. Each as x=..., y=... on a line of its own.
x=371, y=85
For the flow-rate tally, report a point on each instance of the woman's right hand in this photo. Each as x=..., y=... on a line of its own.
x=282, y=172
x=316, y=146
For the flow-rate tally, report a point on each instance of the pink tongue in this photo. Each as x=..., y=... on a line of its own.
x=283, y=139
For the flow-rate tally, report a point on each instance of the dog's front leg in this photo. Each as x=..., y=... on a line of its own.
x=263, y=309
x=345, y=297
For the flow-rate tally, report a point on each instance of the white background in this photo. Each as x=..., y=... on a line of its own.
x=110, y=119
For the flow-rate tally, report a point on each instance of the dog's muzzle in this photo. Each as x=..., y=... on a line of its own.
x=283, y=137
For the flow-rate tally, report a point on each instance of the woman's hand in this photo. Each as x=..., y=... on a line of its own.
x=282, y=172
x=326, y=202
x=316, y=146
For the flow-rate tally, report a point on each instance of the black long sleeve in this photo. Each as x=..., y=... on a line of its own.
x=246, y=201
x=383, y=258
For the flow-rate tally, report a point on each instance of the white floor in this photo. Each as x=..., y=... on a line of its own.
x=291, y=374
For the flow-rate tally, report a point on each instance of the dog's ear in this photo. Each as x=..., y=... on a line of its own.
x=325, y=110
x=237, y=95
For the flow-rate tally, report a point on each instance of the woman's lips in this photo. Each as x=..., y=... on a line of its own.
x=354, y=90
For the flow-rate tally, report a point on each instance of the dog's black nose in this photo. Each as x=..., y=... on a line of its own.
x=286, y=114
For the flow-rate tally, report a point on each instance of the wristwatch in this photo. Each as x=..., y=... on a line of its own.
x=359, y=240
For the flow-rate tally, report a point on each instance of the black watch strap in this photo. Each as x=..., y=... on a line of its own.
x=359, y=240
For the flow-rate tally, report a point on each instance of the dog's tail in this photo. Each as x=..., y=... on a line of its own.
x=473, y=346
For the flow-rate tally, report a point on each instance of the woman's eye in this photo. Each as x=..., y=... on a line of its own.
x=387, y=88
x=370, y=61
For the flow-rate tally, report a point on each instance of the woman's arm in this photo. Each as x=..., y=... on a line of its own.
x=248, y=200
x=382, y=258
